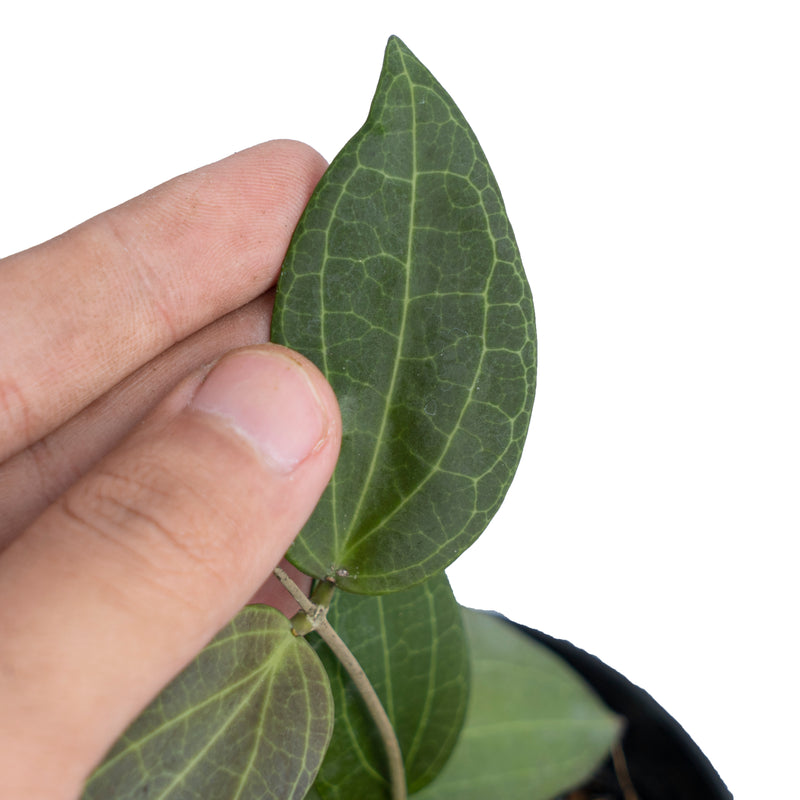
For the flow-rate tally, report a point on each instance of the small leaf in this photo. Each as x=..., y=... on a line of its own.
x=250, y=718
x=413, y=648
x=534, y=728
x=403, y=283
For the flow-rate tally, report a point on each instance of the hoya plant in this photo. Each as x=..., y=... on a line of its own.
x=404, y=284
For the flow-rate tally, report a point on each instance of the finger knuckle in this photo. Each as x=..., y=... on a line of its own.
x=17, y=424
x=157, y=521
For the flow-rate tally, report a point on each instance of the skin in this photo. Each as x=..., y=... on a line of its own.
x=157, y=455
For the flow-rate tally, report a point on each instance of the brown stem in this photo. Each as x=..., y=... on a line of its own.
x=317, y=617
x=623, y=776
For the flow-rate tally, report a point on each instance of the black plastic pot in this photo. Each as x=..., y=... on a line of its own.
x=663, y=761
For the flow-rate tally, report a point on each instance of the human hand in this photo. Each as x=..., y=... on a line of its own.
x=144, y=497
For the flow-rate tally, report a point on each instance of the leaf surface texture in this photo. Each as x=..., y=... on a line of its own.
x=249, y=719
x=403, y=283
x=413, y=648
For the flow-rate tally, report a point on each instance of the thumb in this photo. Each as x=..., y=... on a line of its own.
x=127, y=576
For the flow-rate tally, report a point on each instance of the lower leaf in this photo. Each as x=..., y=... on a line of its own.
x=250, y=718
x=413, y=648
x=533, y=729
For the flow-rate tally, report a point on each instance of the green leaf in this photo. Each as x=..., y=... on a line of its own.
x=413, y=648
x=534, y=728
x=249, y=718
x=403, y=283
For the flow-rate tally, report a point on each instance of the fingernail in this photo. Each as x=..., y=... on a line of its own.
x=269, y=399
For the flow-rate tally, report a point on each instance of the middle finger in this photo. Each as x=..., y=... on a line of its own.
x=32, y=479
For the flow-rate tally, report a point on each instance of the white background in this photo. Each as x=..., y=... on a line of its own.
x=649, y=158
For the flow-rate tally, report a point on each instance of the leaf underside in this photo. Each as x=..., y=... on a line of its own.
x=534, y=728
x=412, y=645
x=249, y=719
x=403, y=283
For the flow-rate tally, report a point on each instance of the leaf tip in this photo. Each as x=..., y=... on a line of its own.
x=395, y=42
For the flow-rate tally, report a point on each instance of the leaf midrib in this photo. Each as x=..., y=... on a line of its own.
x=404, y=316
x=257, y=676
x=436, y=467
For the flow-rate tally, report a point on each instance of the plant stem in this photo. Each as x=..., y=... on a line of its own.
x=295, y=591
x=374, y=706
x=623, y=776
x=316, y=615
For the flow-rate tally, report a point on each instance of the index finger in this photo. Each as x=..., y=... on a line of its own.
x=82, y=311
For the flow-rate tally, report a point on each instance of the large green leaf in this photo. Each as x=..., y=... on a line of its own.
x=534, y=728
x=413, y=648
x=250, y=717
x=404, y=284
